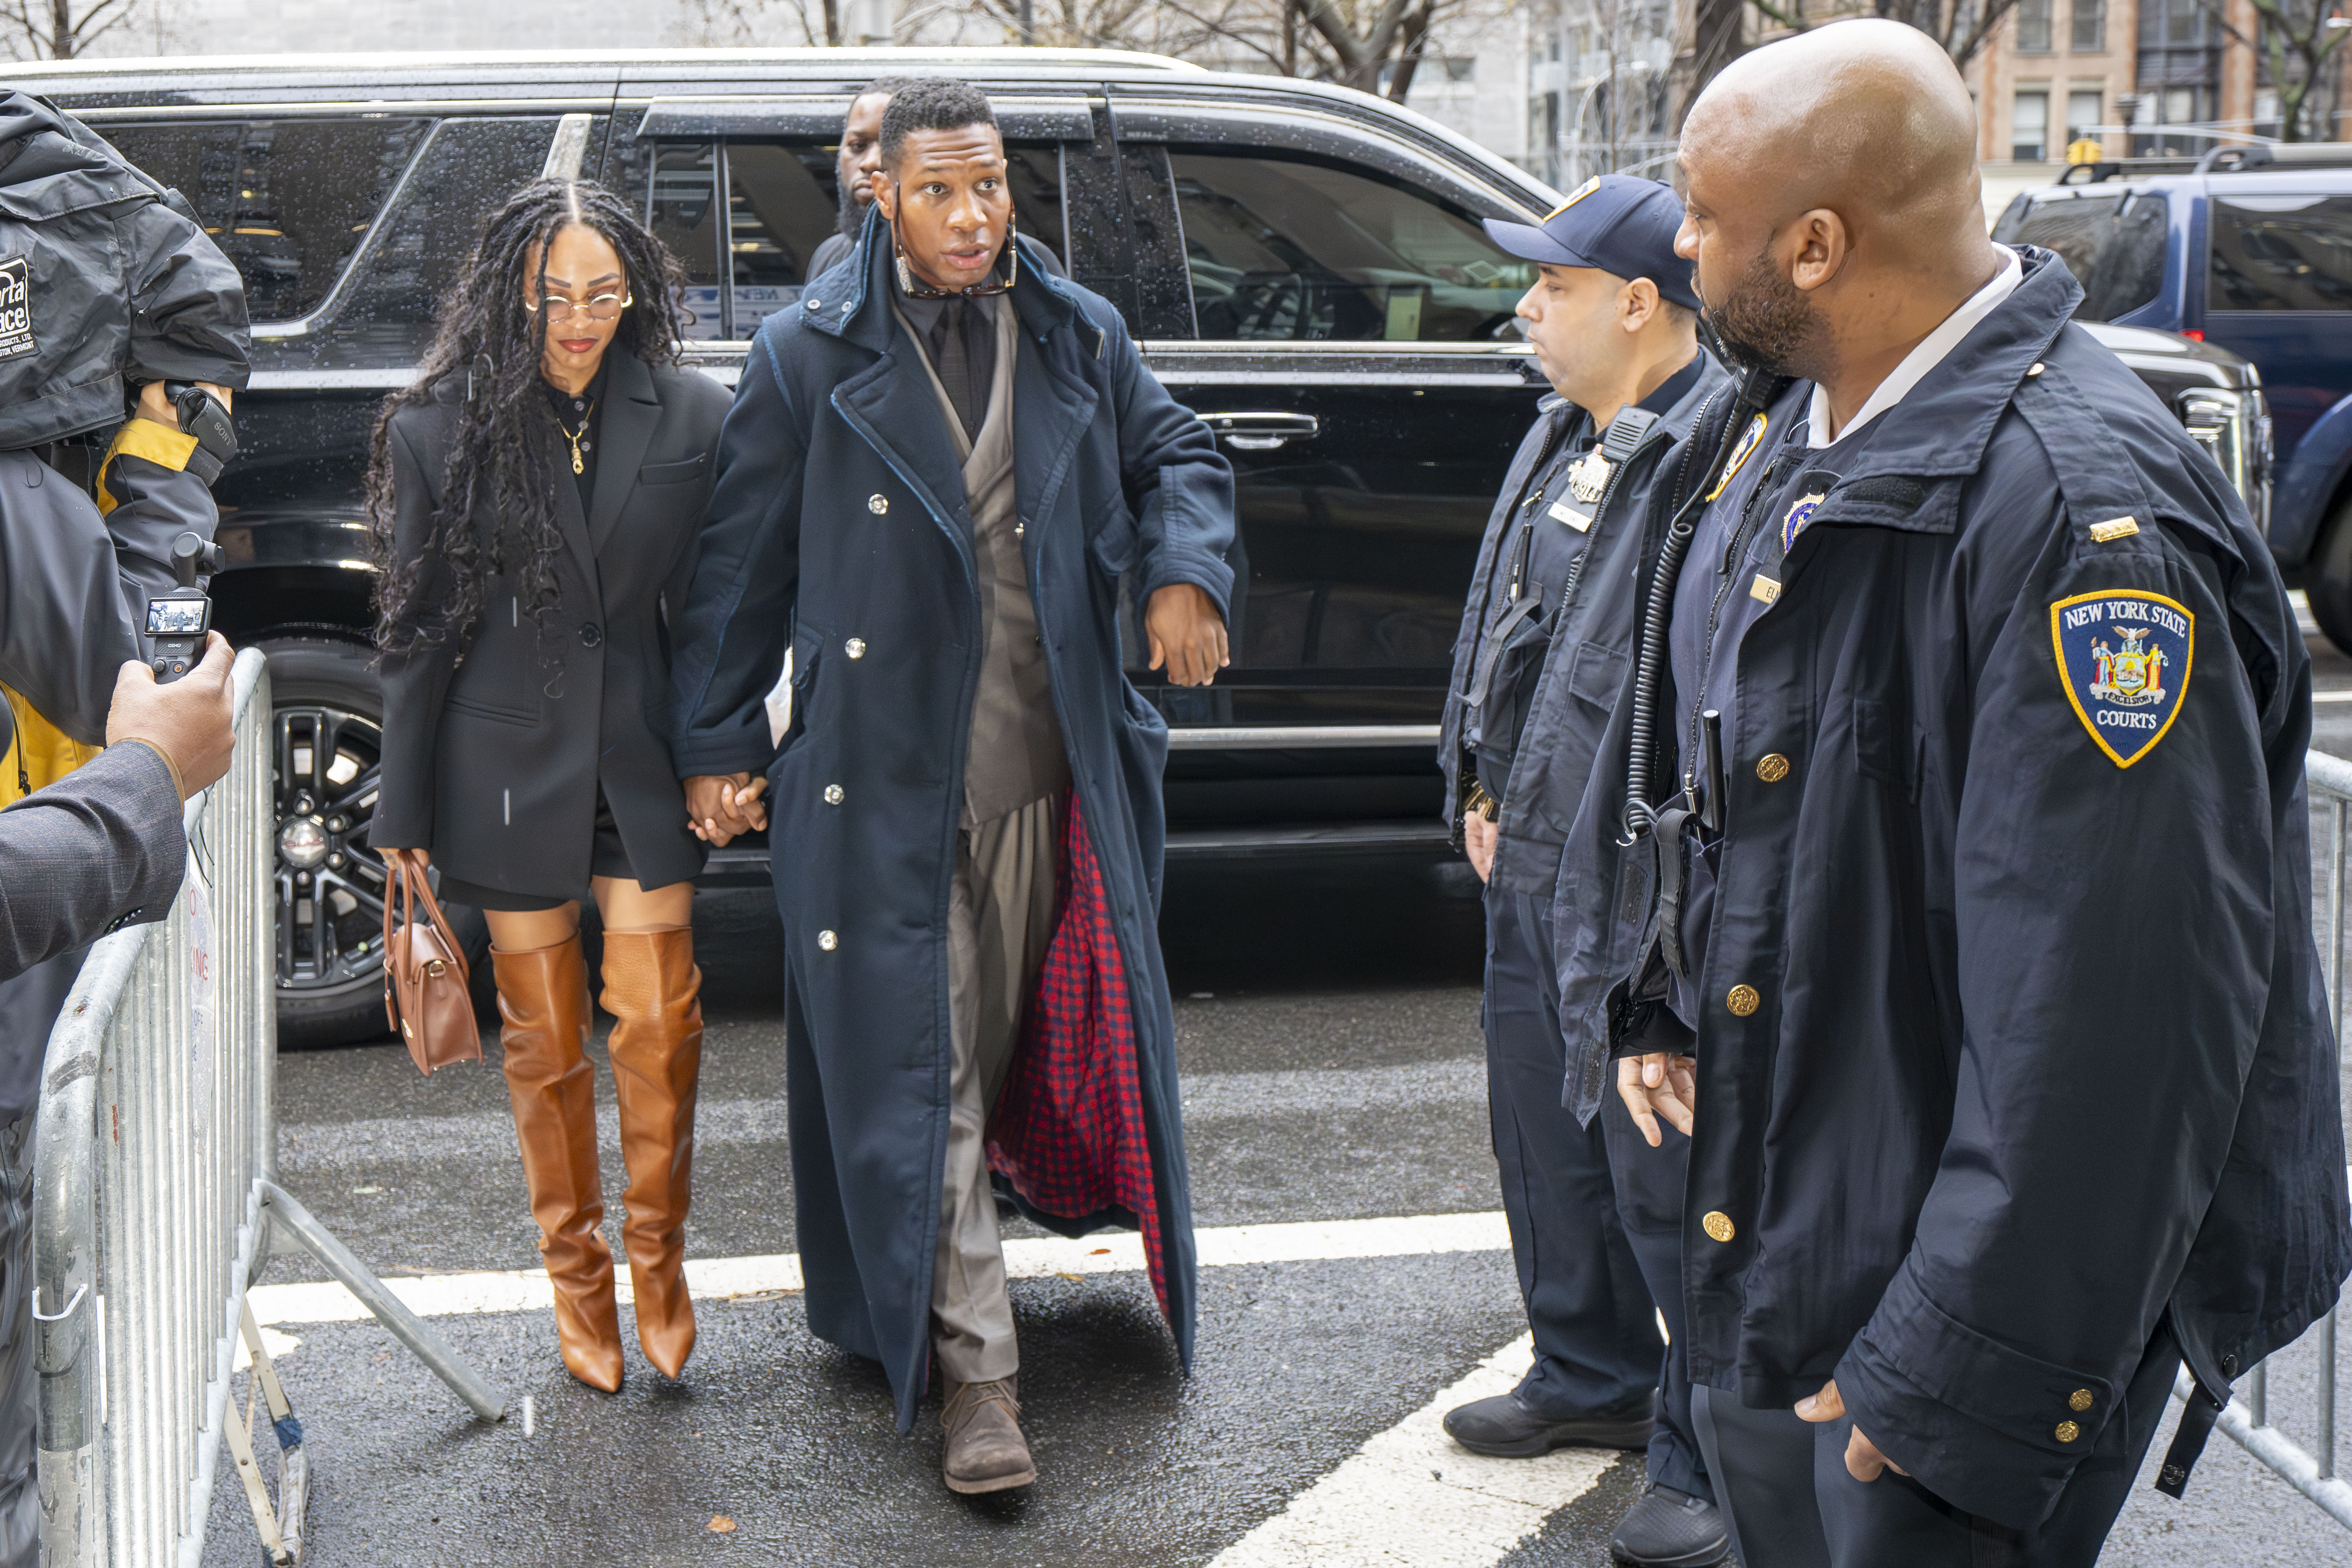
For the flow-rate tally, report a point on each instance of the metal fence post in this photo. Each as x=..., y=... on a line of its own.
x=2247, y=1420
x=153, y=1187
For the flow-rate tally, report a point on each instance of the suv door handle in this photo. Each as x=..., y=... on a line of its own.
x=1262, y=432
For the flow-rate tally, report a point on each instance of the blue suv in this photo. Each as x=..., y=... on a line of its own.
x=2250, y=251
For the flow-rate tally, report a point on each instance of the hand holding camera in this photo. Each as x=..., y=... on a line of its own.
x=186, y=722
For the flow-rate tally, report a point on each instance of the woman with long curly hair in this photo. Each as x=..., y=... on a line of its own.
x=534, y=499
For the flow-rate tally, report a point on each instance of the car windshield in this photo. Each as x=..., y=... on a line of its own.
x=2113, y=243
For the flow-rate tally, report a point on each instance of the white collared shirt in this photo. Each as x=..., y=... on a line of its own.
x=1921, y=360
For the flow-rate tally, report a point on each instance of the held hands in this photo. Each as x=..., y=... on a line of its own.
x=1186, y=633
x=1478, y=839
x=1863, y=1462
x=1659, y=1085
x=188, y=722
x=720, y=806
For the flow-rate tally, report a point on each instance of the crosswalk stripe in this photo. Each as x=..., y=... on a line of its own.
x=1411, y=1499
x=721, y=1278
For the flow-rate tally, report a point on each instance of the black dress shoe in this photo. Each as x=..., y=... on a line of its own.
x=1667, y=1529
x=1503, y=1428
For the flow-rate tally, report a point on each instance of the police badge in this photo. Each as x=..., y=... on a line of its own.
x=2124, y=658
x=1800, y=513
x=1589, y=476
x=1749, y=438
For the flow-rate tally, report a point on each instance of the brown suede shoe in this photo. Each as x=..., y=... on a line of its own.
x=985, y=1450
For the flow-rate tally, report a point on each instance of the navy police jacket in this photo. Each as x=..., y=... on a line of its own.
x=1592, y=638
x=2011, y=1037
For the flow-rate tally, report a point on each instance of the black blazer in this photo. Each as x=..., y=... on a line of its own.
x=494, y=748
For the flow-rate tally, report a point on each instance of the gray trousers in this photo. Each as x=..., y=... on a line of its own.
x=1790, y=1502
x=999, y=916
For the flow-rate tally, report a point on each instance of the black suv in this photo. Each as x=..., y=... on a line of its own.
x=1303, y=263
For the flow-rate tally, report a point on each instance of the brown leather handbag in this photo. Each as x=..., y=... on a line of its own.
x=424, y=972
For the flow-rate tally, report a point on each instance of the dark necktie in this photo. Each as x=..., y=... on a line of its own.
x=953, y=357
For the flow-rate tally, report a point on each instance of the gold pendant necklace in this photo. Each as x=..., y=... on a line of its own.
x=574, y=437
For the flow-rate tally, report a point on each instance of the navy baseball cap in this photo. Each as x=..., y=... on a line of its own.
x=1614, y=222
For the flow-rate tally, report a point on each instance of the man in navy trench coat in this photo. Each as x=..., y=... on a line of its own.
x=2015, y=1088
x=839, y=530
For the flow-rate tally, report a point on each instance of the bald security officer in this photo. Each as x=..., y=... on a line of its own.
x=1973, y=905
x=1545, y=639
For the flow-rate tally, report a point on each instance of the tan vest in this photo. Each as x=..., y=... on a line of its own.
x=1015, y=756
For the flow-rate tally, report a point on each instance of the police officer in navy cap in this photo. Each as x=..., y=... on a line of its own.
x=1546, y=639
x=1959, y=903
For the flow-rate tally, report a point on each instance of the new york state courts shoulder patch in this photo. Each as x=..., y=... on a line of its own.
x=2124, y=657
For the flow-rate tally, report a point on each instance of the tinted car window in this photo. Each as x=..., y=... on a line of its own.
x=2281, y=253
x=467, y=171
x=779, y=210
x=2114, y=245
x=287, y=200
x=780, y=205
x=1285, y=248
x=683, y=214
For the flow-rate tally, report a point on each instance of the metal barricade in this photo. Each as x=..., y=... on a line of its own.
x=2248, y=1418
x=155, y=1204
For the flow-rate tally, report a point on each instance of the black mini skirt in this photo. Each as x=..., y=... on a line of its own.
x=608, y=858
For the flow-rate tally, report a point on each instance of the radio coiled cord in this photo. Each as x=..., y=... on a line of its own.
x=1756, y=390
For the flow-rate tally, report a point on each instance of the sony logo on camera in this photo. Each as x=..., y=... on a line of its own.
x=15, y=308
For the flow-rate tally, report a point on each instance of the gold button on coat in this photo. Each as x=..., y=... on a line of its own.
x=827, y=940
x=2068, y=1431
x=1743, y=1000
x=2081, y=1399
x=855, y=647
x=832, y=794
x=1772, y=767
x=877, y=505
x=1718, y=1225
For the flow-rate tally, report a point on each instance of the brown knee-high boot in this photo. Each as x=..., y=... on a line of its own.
x=654, y=992
x=543, y=998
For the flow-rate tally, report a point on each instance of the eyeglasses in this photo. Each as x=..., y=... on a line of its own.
x=915, y=290
x=602, y=308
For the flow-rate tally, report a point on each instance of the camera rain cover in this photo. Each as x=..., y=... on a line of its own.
x=105, y=278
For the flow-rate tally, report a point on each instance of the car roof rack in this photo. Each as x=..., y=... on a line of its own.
x=2275, y=155
x=2107, y=169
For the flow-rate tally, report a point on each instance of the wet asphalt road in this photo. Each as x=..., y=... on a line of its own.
x=1328, y=1023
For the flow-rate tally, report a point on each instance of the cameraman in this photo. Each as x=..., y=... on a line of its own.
x=107, y=283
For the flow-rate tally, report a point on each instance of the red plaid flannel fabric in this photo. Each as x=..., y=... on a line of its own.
x=1068, y=1128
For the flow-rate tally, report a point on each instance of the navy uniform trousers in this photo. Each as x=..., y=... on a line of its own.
x=1790, y=1502
x=1595, y=1213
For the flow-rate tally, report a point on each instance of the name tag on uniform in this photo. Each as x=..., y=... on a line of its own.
x=1579, y=521
x=1764, y=588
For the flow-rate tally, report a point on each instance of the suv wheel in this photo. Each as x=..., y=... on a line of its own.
x=2329, y=582
x=327, y=717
